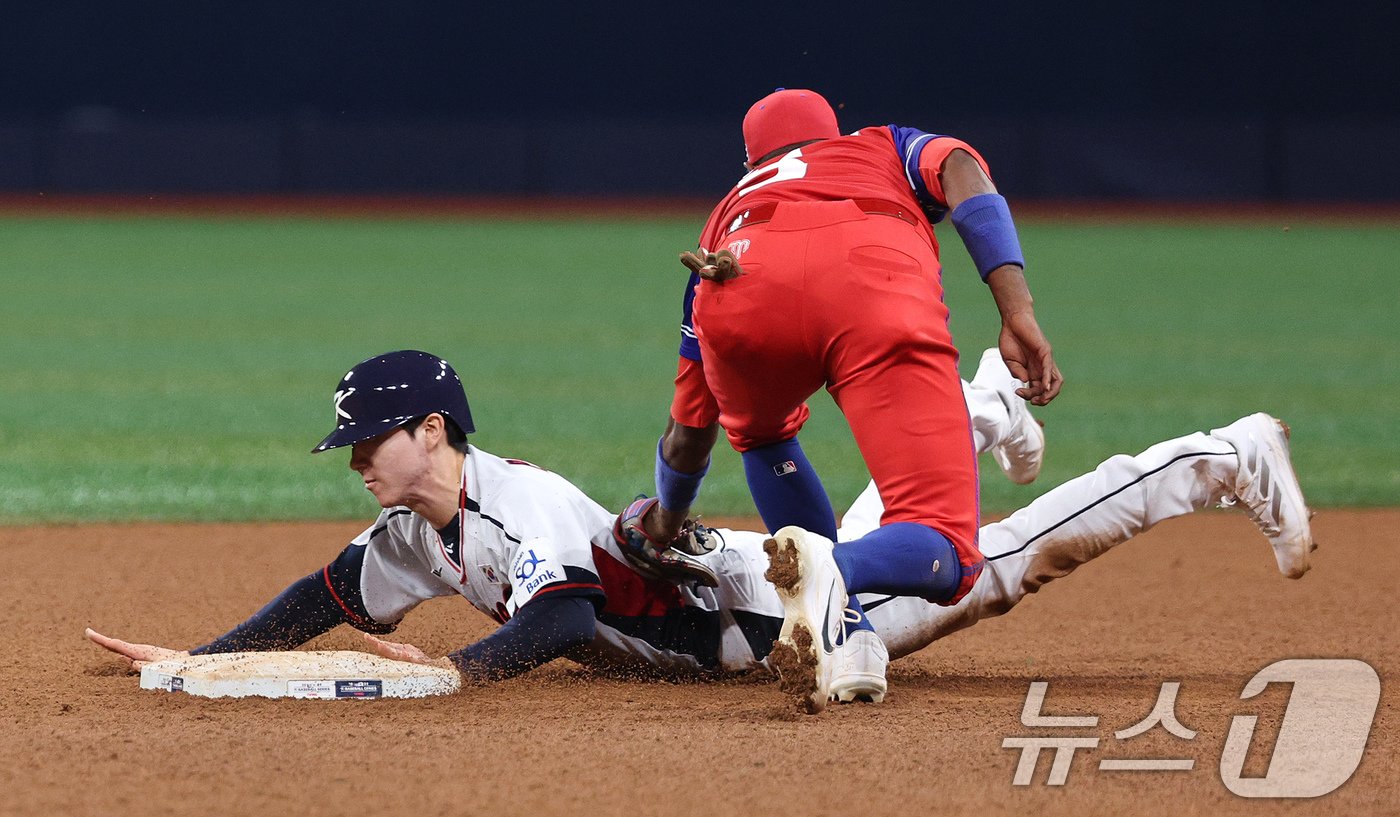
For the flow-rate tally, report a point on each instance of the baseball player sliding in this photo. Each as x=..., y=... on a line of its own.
x=529, y=549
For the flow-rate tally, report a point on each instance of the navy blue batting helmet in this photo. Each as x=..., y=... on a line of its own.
x=388, y=390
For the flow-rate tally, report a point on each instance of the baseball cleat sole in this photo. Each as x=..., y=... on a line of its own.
x=796, y=664
x=867, y=695
x=813, y=593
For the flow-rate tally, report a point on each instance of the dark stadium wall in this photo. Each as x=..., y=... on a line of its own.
x=1248, y=101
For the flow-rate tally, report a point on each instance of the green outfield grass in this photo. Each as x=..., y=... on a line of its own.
x=170, y=368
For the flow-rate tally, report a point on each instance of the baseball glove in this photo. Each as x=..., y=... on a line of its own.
x=673, y=561
x=713, y=266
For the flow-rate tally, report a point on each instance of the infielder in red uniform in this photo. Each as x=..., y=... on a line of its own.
x=820, y=269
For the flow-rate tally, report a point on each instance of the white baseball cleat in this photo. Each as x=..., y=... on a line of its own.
x=1267, y=489
x=860, y=672
x=801, y=567
x=1022, y=448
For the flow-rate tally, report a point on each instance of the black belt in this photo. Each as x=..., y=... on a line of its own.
x=760, y=213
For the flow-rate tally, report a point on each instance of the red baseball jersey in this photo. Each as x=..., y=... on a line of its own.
x=890, y=164
x=894, y=164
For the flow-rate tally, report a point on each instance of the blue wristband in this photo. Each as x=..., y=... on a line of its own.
x=984, y=222
x=677, y=491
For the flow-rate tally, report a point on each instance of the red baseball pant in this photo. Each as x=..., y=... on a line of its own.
x=836, y=297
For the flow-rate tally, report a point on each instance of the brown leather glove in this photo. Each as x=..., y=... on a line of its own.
x=715, y=266
x=673, y=561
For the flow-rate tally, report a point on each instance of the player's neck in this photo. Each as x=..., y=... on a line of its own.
x=439, y=496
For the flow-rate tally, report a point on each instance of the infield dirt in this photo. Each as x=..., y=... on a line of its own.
x=1196, y=601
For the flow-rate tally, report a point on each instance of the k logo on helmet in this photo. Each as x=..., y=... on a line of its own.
x=340, y=398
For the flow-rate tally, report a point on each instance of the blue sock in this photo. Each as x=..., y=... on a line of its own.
x=898, y=560
x=787, y=491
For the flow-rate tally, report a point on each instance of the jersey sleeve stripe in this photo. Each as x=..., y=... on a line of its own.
x=385, y=526
x=911, y=165
x=568, y=586
x=326, y=576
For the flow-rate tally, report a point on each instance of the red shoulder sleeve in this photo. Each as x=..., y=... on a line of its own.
x=932, y=156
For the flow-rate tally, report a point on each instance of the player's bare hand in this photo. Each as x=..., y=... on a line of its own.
x=137, y=655
x=1027, y=354
x=404, y=652
x=714, y=266
x=1023, y=346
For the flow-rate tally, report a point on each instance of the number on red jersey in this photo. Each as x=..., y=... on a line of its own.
x=785, y=169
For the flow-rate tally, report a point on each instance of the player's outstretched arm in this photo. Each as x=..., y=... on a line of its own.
x=138, y=655
x=683, y=453
x=306, y=609
x=984, y=223
x=310, y=606
x=546, y=628
x=1023, y=345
